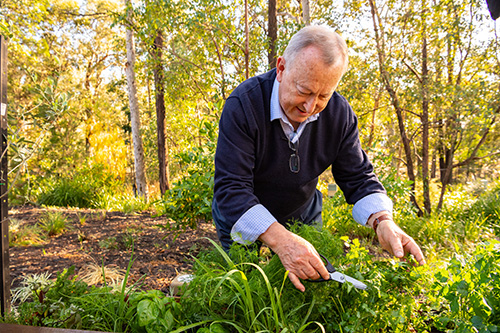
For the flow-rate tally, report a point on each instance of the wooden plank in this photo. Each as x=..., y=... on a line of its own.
x=4, y=205
x=32, y=329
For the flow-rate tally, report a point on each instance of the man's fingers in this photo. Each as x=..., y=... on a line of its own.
x=397, y=247
x=390, y=238
x=396, y=241
x=296, y=282
x=320, y=268
x=412, y=248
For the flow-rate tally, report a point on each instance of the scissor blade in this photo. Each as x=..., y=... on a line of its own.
x=342, y=278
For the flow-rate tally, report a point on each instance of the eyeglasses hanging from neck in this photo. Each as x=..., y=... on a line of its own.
x=294, y=160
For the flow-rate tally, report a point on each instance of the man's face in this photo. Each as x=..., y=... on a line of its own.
x=306, y=85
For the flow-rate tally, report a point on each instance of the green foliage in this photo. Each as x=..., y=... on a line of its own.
x=31, y=286
x=337, y=213
x=248, y=291
x=468, y=215
x=84, y=188
x=190, y=199
x=124, y=241
x=398, y=189
x=152, y=312
x=242, y=297
x=50, y=304
x=109, y=243
x=487, y=206
x=23, y=234
x=125, y=202
x=255, y=294
x=465, y=293
x=53, y=223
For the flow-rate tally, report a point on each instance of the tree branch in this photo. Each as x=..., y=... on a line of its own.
x=472, y=156
x=413, y=71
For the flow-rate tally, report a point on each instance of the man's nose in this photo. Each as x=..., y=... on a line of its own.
x=310, y=104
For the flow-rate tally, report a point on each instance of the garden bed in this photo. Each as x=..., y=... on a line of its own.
x=96, y=237
x=31, y=329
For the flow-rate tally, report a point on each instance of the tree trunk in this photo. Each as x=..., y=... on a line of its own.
x=247, y=37
x=425, y=115
x=160, y=114
x=306, y=12
x=433, y=166
x=140, y=174
x=272, y=33
x=376, y=105
x=446, y=171
x=395, y=102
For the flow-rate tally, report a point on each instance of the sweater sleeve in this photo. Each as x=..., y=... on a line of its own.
x=234, y=162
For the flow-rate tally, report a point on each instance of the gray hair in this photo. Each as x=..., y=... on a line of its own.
x=332, y=45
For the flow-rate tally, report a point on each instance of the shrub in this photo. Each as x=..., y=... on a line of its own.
x=53, y=223
x=83, y=188
x=465, y=295
x=21, y=234
x=488, y=206
x=123, y=202
x=190, y=199
x=219, y=291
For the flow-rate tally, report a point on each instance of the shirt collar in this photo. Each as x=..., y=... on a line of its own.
x=277, y=113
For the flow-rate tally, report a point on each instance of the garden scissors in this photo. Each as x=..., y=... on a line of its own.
x=339, y=277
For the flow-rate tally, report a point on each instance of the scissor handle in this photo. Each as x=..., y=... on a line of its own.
x=329, y=268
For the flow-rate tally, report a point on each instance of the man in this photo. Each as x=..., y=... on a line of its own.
x=278, y=132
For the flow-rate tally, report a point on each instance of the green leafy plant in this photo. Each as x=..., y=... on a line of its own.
x=53, y=223
x=124, y=241
x=127, y=240
x=155, y=312
x=107, y=308
x=69, y=302
x=125, y=202
x=50, y=304
x=466, y=292
x=190, y=199
x=246, y=290
x=82, y=219
x=110, y=243
x=240, y=297
x=23, y=234
x=31, y=286
x=83, y=188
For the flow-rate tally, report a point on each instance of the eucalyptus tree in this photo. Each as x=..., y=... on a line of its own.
x=272, y=33
x=135, y=120
x=437, y=67
x=203, y=57
x=66, y=111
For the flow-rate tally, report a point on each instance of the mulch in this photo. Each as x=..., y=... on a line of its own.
x=105, y=238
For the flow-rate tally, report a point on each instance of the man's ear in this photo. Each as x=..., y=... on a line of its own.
x=280, y=67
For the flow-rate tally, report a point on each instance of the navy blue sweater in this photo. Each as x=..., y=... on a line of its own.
x=252, y=156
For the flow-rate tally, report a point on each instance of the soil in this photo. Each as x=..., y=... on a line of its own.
x=104, y=238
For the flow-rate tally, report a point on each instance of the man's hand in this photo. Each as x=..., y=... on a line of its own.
x=297, y=255
x=397, y=242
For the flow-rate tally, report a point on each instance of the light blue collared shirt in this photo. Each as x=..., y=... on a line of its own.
x=256, y=220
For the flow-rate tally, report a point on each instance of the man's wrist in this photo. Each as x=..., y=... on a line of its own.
x=376, y=218
x=273, y=235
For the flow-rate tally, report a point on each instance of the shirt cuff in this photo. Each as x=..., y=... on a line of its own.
x=369, y=205
x=253, y=223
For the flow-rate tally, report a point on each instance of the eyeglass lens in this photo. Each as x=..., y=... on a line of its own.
x=294, y=160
